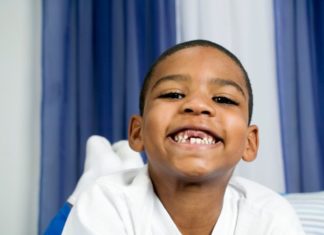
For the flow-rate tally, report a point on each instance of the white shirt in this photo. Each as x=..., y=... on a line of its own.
x=125, y=204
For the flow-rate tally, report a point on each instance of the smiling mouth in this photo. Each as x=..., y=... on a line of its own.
x=189, y=136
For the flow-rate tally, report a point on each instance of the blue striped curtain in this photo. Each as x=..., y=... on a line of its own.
x=95, y=55
x=300, y=62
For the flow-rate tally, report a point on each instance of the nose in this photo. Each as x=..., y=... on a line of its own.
x=198, y=105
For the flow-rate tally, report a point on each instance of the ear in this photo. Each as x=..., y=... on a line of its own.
x=252, y=144
x=135, y=138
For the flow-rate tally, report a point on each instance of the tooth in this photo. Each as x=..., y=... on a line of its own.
x=205, y=141
x=182, y=135
x=180, y=139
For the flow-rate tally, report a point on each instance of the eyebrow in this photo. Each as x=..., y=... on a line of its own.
x=225, y=82
x=174, y=77
x=215, y=81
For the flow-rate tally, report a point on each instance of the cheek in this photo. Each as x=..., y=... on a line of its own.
x=155, y=123
x=159, y=111
x=236, y=122
x=153, y=133
x=237, y=129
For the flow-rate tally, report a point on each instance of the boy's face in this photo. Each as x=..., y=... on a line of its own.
x=195, y=120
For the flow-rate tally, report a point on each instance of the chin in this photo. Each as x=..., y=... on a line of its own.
x=195, y=174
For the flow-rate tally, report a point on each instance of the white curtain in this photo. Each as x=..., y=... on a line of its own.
x=247, y=29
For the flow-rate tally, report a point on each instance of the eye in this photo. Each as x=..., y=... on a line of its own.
x=224, y=100
x=172, y=95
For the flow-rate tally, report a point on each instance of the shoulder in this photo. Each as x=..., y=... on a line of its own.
x=133, y=186
x=264, y=207
x=257, y=195
x=120, y=189
x=124, y=179
x=117, y=198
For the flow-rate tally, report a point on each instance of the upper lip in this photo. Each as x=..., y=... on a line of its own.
x=197, y=128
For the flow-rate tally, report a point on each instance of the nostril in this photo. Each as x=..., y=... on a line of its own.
x=205, y=112
x=189, y=110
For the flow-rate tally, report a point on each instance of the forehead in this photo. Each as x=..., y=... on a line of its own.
x=199, y=62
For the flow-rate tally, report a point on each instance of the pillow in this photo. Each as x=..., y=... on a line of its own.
x=310, y=210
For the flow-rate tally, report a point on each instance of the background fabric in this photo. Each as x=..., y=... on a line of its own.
x=96, y=53
x=247, y=29
x=300, y=63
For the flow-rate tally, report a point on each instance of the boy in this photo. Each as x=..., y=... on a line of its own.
x=194, y=125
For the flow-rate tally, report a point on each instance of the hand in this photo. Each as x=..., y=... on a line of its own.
x=103, y=159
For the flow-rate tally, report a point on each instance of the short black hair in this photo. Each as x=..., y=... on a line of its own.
x=189, y=44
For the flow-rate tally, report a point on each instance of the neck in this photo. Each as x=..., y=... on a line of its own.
x=194, y=207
